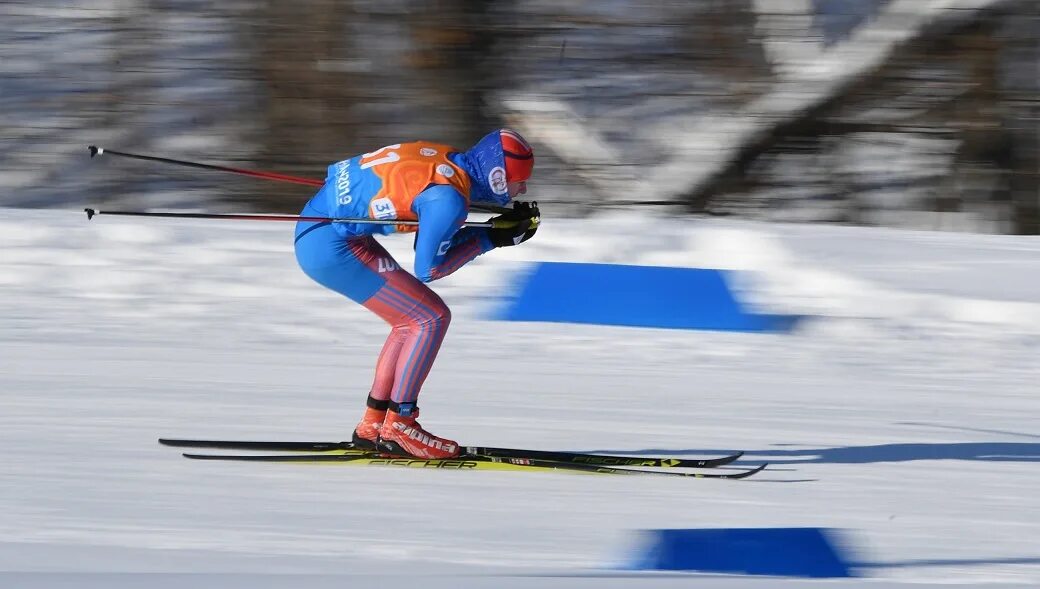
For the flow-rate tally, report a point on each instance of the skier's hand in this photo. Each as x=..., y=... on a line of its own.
x=516, y=226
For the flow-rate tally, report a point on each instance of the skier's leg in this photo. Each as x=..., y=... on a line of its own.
x=419, y=320
x=361, y=269
x=352, y=267
x=386, y=365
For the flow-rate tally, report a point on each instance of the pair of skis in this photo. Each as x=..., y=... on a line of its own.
x=471, y=458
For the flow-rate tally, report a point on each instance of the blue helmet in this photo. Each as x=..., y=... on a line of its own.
x=489, y=162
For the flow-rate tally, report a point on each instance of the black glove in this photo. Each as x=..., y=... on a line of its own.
x=516, y=226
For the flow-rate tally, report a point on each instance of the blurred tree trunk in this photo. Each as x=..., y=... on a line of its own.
x=128, y=59
x=1021, y=108
x=451, y=40
x=307, y=119
x=344, y=77
x=716, y=34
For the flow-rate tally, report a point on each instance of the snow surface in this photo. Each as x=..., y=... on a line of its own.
x=905, y=411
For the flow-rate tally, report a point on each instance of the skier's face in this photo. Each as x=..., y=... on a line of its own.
x=516, y=189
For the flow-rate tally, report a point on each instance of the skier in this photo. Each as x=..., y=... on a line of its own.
x=433, y=184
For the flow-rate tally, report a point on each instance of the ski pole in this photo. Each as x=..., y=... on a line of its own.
x=269, y=217
x=96, y=151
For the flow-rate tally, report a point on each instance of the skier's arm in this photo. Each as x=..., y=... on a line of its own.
x=440, y=246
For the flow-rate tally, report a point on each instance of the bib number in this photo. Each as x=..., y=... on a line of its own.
x=390, y=157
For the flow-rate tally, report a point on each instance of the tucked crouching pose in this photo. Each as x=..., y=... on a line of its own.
x=434, y=185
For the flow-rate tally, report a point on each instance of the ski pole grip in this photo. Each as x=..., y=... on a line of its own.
x=95, y=150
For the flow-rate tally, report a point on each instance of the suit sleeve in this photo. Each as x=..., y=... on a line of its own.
x=441, y=246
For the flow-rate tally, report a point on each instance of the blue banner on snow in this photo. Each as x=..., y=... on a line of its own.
x=788, y=552
x=638, y=296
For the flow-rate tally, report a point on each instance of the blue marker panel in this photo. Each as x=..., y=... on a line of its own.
x=789, y=552
x=638, y=296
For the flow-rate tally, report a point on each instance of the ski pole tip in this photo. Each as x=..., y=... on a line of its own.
x=90, y=213
x=95, y=150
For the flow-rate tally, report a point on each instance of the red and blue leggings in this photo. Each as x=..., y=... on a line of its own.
x=364, y=271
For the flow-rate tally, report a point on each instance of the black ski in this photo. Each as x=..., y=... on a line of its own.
x=465, y=462
x=567, y=457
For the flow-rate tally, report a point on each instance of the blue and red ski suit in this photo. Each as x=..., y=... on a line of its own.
x=419, y=181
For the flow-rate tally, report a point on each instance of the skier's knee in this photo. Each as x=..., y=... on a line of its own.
x=443, y=317
x=438, y=319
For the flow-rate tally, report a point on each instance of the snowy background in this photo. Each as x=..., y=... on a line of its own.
x=904, y=412
x=917, y=114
